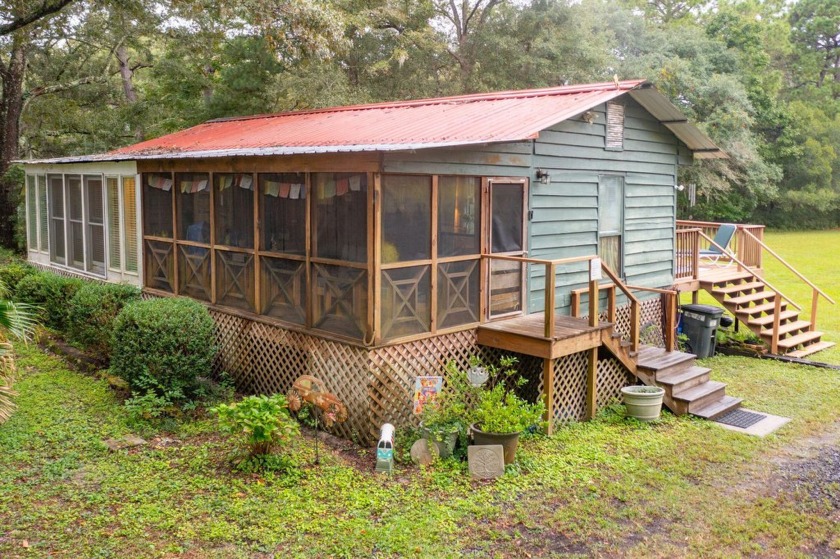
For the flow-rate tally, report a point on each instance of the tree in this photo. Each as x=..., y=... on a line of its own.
x=815, y=29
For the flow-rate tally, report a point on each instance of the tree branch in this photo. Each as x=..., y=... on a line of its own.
x=42, y=11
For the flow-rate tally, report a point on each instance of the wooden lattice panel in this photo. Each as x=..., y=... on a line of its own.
x=612, y=377
x=652, y=319
x=569, y=387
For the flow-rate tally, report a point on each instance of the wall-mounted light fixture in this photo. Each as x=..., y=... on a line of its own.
x=543, y=177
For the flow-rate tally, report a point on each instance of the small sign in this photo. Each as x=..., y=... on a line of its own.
x=595, y=269
x=426, y=390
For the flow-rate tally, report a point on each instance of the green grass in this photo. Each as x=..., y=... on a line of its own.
x=610, y=487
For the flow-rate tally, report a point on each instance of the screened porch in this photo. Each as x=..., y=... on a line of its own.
x=359, y=256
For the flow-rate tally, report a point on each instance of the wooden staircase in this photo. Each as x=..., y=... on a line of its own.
x=688, y=387
x=754, y=303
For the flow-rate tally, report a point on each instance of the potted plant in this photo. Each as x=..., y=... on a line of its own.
x=500, y=416
x=444, y=420
x=643, y=402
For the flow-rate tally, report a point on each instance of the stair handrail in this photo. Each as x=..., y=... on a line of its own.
x=634, y=306
x=815, y=291
x=745, y=267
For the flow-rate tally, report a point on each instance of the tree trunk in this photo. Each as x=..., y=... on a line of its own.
x=11, y=107
x=127, y=77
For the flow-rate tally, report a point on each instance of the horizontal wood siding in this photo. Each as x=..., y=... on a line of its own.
x=501, y=160
x=565, y=221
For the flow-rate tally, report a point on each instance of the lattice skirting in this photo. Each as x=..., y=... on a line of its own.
x=651, y=322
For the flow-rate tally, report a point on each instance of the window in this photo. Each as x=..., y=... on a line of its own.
x=615, y=126
x=611, y=221
x=122, y=224
x=283, y=212
x=234, y=210
x=76, y=227
x=31, y=213
x=157, y=205
x=56, y=193
x=406, y=218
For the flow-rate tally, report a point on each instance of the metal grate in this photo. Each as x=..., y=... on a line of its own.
x=740, y=418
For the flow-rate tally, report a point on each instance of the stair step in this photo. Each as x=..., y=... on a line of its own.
x=718, y=407
x=700, y=395
x=666, y=362
x=684, y=379
x=730, y=289
x=768, y=319
x=787, y=328
x=722, y=282
x=810, y=349
x=752, y=297
x=800, y=339
x=758, y=309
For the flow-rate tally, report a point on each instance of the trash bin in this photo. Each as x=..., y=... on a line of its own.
x=699, y=324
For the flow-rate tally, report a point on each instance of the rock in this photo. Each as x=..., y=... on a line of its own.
x=112, y=444
x=424, y=453
x=133, y=440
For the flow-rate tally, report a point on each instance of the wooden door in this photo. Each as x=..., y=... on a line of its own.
x=506, y=203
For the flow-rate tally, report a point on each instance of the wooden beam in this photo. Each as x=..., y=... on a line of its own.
x=548, y=393
x=591, y=383
x=593, y=303
x=550, y=280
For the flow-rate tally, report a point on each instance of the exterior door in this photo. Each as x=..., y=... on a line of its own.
x=506, y=203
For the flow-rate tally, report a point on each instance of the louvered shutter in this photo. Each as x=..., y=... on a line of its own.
x=130, y=223
x=114, y=233
x=615, y=126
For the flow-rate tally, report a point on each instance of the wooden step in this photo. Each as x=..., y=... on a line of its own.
x=768, y=319
x=787, y=328
x=752, y=298
x=699, y=396
x=712, y=283
x=717, y=408
x=758, y=309
x=684, y=379
x=666, y=362
x=810, y=349
x=730, y=289
x=800, y=339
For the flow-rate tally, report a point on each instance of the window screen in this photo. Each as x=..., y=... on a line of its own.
x=157, y=205
x=340, y=216
x=193, y=203
x=283, y=210
x=406, y=218
x=234, y=207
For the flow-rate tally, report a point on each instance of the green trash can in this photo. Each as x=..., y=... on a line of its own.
x=700, y=324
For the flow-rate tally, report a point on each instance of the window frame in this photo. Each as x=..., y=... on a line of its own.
x=620, y=232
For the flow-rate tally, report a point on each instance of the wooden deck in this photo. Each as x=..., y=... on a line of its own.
x=526, y=334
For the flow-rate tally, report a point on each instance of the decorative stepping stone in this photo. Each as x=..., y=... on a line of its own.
x=423, y=453
x=486, y=461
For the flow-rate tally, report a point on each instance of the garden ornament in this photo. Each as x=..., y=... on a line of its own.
x=385, y=450
x=313, y=391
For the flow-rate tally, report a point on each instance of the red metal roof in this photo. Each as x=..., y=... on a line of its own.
x=506, y=116
x=465, y=119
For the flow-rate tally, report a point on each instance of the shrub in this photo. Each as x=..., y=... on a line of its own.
x=51, y=293
x=12, y=273
x=263, y=421
x=163, y=345
x=92, y=313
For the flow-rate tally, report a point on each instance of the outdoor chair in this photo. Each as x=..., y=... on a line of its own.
x=724, y=236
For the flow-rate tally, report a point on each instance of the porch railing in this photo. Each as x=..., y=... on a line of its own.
x=746, y=244
x=592, y=291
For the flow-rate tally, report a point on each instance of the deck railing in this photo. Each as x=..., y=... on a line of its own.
x=746, y=244
x=593, y=290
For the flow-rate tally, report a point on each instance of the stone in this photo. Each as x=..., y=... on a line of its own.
x=486, y=461
x=423, y=453
x=133, y=440
x=113, y=445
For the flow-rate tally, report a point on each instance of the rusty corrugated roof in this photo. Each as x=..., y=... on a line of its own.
x=406, y=125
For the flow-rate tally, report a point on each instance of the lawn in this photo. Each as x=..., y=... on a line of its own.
x=609, y=487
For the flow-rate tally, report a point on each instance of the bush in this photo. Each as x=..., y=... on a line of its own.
x=163, y=345
x=263, y=421
x=51, y=294
x=92, y=313
x=12, y=273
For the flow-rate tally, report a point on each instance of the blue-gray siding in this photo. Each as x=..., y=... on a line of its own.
x=565, y=212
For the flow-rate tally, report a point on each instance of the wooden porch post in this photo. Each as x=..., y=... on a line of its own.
x=548, y=393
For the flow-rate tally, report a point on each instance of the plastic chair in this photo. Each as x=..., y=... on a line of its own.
x=724, y=236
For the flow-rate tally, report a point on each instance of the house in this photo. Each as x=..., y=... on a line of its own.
x=370, y=244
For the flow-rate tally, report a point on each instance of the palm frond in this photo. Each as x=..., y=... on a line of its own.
x=18, y=319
